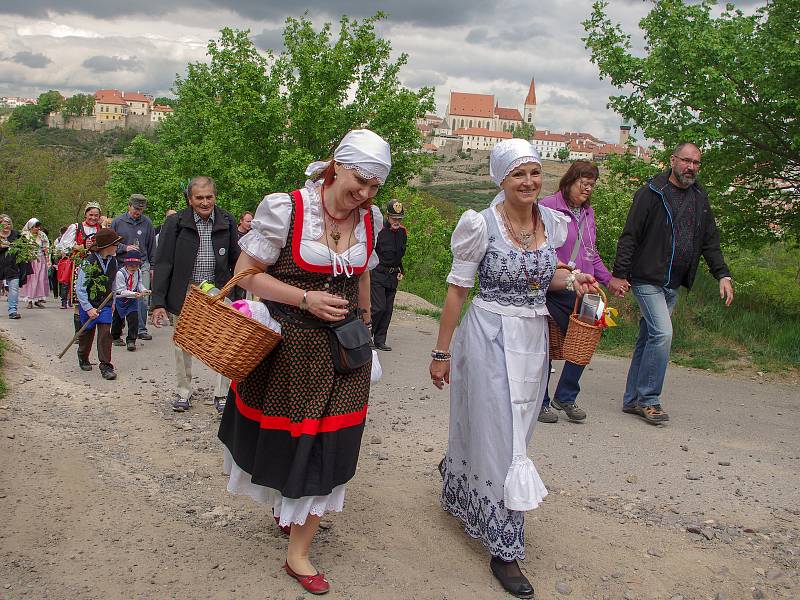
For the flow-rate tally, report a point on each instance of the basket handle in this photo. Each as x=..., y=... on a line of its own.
x=233, y=281
x=602, y=295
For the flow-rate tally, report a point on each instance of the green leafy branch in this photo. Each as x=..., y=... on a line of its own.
x=24, y=249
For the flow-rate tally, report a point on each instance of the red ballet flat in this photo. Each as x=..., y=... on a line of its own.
x=284, y=528
x=314, y=584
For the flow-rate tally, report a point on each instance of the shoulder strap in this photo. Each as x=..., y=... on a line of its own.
x=576, y=246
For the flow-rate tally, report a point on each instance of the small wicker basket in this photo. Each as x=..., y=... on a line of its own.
x=582, y=338
x=556, y=340
x=222, y=337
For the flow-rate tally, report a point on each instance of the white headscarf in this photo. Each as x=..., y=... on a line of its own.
x=41, y=238
x=362, y=150
x=507, y=156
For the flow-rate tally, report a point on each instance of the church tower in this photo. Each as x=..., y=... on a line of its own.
x=529, y=115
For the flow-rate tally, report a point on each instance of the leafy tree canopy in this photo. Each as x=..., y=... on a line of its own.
x=78, y=105
x=164, y=101
x=254, y=122
x=524, y=131
x=27, y=117
x=50, y=101
x=731, y=85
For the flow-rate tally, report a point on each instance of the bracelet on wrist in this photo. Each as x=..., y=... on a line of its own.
x=570, y=283
x=440, y=355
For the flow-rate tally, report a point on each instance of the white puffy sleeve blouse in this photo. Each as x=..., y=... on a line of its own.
x=468, y=243
x=270, y=230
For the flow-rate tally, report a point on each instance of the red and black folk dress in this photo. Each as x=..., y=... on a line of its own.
x=292, y=429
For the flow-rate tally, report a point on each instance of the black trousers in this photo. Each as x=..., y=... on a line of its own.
x=133, y=326
x=103, y=344
x=383, y=288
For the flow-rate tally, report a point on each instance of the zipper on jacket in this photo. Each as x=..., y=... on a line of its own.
x=672, y=227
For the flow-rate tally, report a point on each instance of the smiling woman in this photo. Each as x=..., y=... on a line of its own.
x=292, y=429
x=499, y=358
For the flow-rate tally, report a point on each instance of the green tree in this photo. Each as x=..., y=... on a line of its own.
x=621, y=176
x=50, y=101
x=78, y=105
x=524, y=131
x=51, y=184
x=562, y=154
x=253, y=122
x=27, y=117
x=164, y=101
x=731, y=85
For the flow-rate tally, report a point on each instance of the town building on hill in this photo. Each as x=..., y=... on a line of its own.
x=548, y=144
x=480, y=138
x=15, y=101
x=108, y=106
x=159, y=113
x=482, y=111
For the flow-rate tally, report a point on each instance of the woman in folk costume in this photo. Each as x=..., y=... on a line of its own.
x=73, y=245
x=37, y=285
x=498, y=369
x=292, y=429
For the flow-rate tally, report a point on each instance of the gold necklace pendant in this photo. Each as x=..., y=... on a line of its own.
x=335, y=234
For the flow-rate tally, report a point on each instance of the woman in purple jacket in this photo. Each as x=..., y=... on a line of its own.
x=579, y=252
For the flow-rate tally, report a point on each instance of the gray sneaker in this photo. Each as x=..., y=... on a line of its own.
x=574, y=412
x=180, y=404
x=219, y=403
x=547, y=416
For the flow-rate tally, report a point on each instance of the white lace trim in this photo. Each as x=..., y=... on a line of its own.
x=520, y=161
x=364, y=173
x=288, y=510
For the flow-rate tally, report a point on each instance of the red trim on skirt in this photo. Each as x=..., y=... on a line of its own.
x=304, y=427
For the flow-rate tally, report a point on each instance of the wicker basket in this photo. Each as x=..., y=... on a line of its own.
x=556, y=340
x=582, y=338
x=223, y=338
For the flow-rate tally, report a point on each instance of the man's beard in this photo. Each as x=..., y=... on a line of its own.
x=685, y=179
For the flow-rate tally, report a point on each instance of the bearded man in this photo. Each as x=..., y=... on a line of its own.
x=669, y=227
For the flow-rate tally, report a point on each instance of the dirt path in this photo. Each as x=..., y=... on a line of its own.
x=105, y=493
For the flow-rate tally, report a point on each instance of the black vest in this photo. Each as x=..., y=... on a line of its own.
x=99, y=284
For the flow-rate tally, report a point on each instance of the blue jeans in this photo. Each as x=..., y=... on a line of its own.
x=13, y=294
x=144, y=301
x=651, y=354
x=568, y=384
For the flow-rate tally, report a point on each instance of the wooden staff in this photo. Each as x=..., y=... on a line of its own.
x=86, y=325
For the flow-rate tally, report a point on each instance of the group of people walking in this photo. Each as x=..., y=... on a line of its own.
x=324, y=257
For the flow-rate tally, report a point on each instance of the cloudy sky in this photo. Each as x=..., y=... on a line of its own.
x=462, y=45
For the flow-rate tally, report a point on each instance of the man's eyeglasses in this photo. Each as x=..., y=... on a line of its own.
x=688, y=161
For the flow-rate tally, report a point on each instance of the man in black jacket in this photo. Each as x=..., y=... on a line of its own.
x=196, y=244
x=669, y=227
x=390, y=247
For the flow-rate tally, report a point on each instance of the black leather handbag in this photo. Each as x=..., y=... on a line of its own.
x=349, y=340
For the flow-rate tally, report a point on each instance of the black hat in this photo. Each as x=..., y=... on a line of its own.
x=395, y=209
x=104, y=238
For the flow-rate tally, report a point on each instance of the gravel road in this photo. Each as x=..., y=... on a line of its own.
x=106, y=493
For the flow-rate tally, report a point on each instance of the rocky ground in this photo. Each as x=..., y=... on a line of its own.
x=106, y=493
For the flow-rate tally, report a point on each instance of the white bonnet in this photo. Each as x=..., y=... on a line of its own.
x=508, y=155
x=362, y=150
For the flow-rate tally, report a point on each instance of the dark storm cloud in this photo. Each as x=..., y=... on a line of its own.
x=108, y=64
x=34, y=60
x=442, y=12
x=269, y=39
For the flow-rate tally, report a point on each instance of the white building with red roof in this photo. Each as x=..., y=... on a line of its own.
x=480, y=138
x=160, y=112
x=548, y=144
x=483, y=111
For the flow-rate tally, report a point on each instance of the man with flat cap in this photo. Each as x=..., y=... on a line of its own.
x=137, y=233
x=384, y=279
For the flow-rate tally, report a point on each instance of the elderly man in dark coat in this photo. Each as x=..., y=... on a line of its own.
x=197, y=244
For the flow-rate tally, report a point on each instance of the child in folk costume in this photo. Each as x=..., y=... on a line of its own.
x=95, y=281
x=128, y=288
